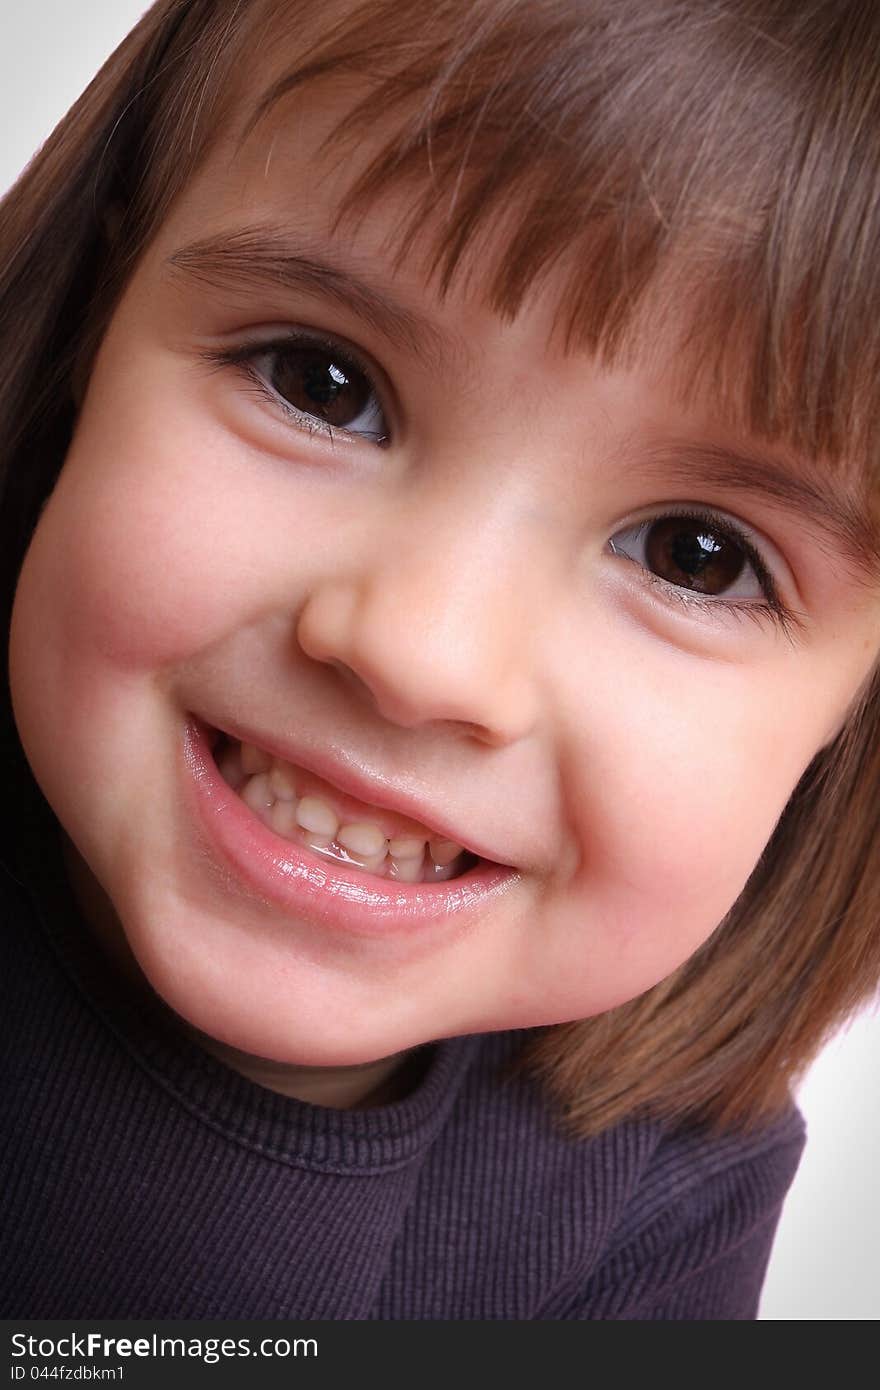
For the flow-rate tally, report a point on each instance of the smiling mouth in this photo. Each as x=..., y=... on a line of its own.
x=302, y=809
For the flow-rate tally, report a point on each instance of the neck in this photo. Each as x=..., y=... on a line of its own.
x=358, y=1087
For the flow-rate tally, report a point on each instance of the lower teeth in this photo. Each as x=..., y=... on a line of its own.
x=279, y=817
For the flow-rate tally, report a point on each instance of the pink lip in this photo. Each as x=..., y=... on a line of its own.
x=304, y=885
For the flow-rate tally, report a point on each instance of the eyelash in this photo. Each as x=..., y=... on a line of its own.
x=244, y=358
x=785, y=618
x=780, y=615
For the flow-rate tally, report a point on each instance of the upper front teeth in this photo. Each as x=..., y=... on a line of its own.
x=268, y=786
x=362, y=838
x=406, y=847
x=314, y=814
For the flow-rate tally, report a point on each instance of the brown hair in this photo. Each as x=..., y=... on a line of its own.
x=714, y=167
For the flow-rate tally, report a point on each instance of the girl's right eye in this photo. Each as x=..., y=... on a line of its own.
x=315, y=382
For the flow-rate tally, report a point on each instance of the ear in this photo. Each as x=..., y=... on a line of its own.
x=111, y=219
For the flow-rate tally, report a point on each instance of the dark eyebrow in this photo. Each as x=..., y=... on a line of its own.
x=260, y=257
x=825, y=502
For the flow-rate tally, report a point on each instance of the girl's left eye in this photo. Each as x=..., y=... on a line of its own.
x=704, y=560
x=315, y=382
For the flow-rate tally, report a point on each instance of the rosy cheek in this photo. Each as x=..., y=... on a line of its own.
x=138, y=580
x=676, y=811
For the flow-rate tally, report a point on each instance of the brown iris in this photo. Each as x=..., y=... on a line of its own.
x=321, y=384
x=693, y=555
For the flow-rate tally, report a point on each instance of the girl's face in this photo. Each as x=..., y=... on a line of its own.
x=476, y=607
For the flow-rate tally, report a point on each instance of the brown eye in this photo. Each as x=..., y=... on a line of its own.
x=321, y=384
x=702, y=553
x=318, y=386
x=693, y=555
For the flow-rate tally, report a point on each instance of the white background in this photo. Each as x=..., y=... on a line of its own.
x=826, y=1261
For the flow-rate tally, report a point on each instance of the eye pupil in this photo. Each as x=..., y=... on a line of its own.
x=323, y=385
x=687, y=553
x=320, y=384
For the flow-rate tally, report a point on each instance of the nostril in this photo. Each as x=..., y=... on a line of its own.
x=352, y=679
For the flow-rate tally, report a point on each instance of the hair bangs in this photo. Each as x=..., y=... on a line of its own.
x=657, y=161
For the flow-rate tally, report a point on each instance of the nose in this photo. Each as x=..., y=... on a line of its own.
x=433, y=624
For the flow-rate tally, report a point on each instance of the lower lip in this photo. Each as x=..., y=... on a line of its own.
x=301, y=884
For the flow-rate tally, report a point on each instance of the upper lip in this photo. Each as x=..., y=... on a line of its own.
x=369, y=788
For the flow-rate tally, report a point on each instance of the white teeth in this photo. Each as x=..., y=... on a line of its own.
x=282, y=783
x=268, y=787
x=362, y=839
x=254, y=760
x=257, y=794
x=406, y=870
x=406, y=847
x=282, y=819
x=444, y=851
x=314, y=814
x=371, y=862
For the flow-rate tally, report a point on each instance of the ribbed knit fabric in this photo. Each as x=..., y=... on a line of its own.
x=140, y=1178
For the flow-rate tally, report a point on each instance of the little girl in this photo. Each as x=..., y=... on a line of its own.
x=443, y=577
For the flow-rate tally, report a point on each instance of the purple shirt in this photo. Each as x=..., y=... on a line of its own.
x=141, y=1178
